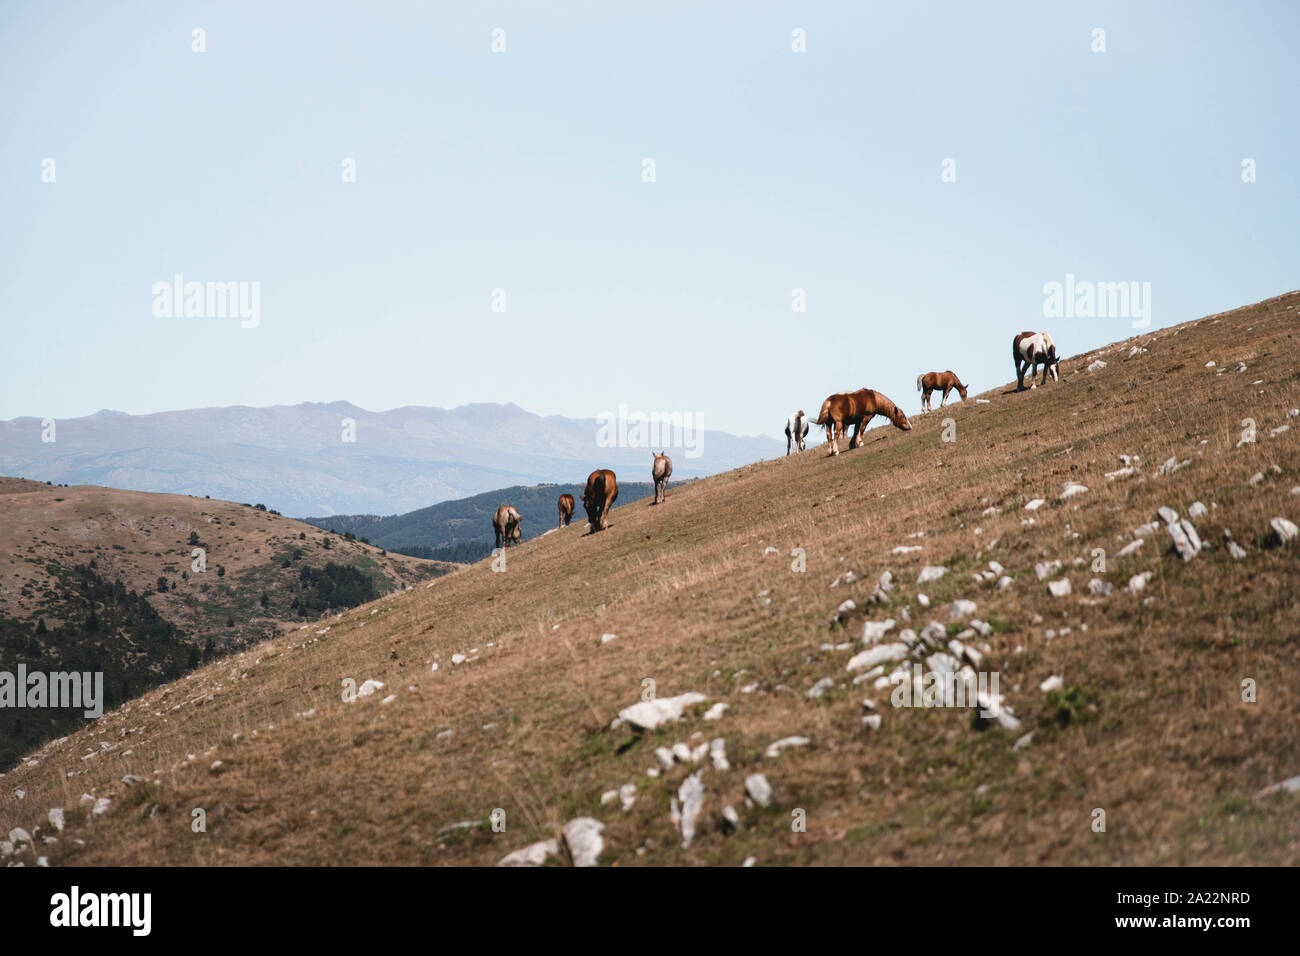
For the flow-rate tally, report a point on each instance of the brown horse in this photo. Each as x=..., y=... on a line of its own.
x=927, y=383
x=661, y=472
x=857, y=409
x=599, y=498
x=506, y=525
x=566, y=510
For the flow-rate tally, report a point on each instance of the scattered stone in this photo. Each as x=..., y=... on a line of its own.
x=758, y=789
x=649, y=714
x=906, y=549
x=1291, y=785
x=1197, y=510
x=774, y=749
x=1059, y=588
x=665, y=758
x=1073, y=488
x=1035, y=504
x=1005, y=581
x=731, y=818
x=1168, y=515
x=367, y=688
x=606, y=638
x=961, y=608
x=872, y=721
x=1129, y=548
x=718, y=754
x=880, y=654
x=1096, y=365
x=18, y=835
x=770, y=550
x=1100, y=588
x=534, y=854
x=627, y=795
x=691, y=794
x=1234, y=549
x=821, y=687
x=1186, y=540
x=1052, y=683
x=101, y=807
x=716, y=711
x=930, y=573
x=846, y=607
x=1138, y=582
x=132, y=779
x=1255, y=479
x=56, y=817
x=873, y=631
x=582, y=837
x=1284, y=530
x=1171, y=465
x=608, y=797
x=681, y=752
x=1045, y=569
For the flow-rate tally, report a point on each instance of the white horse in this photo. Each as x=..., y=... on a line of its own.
x=1031, y=349
x=796, y=430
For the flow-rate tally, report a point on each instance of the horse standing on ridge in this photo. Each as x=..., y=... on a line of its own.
x=661, y=472
x=927, y=383
x=566, y=510
x=1031, y=349
x=857, y=409
x=796, y=430
x=505, y=523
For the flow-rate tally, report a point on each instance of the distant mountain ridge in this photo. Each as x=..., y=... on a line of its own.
x=336, y=458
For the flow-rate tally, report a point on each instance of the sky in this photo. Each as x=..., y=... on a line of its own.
x=921, y=171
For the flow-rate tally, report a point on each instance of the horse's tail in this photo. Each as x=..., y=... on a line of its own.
x=918, y=382
x=824, y=417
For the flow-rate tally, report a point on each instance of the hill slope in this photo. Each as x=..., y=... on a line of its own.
x=306, y=459
x=103, y=579
x=1149, y=725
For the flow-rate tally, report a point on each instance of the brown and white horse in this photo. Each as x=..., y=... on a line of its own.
x=661, y=472
x=1031, y=349
x=506, y=525
x=857, y=409
x=796, y=430
x=566, y=510
x=927, y=383
x=599, y=497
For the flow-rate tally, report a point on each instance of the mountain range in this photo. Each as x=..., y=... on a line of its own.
x=336, y=458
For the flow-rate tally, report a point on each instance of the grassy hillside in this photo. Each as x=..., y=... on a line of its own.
x=1148, y=724
x=103, y=579
x=462, y=530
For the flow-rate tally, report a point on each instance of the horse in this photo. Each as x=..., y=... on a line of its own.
x=857, y=409
x=1030, y=349
x=927, y=383
x=796, y=430
x=661, y=472
x=505, y=523
x=566, y=510
x=599, y=498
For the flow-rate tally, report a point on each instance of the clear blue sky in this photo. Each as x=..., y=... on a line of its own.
x=523, y=171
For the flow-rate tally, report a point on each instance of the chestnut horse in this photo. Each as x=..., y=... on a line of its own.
x=857, y=409
x=506, y=525
x=599, y=498
x=566, y=510
x=927, y=383
x=1031, y=349
x=661, y=472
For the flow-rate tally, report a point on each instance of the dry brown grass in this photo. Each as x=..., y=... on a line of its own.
x=1161, y=739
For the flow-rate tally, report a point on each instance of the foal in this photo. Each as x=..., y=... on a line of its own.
x=927, y=383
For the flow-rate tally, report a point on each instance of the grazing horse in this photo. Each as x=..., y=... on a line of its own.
x=796, y=430
x=566, y=510
x=857, y=408
x=661, y=472
x=1031, y=349
x=927, y=383
x=505, y=523
x=599, y=498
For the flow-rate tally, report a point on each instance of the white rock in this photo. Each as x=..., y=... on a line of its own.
x=691, y=794
x=1168, y=515
x=1097, y=365
x=1139, y=581
x=627, y=795
x=1059, y=588
x=758, y=789
x=930, y=573
x=56, y=817
x=1284, y=530
x=1129, y=548
x=665, y=757
x=961, y=608
x=606, y=638
x=682, y=752
x=1291, y=785
x=368, y=687
x=1035, y=504
x=1052, y=683
x=821, y=687
x=718, y=754
x=458, y=658
x=1186, y=540
x=774, y=749
x=872, y=721
x=1100, y=588
x=847, y=606
x=879, y=654
x=770, y=550
x=873, y=631
x=18, y=835
x=1073, y=488
x=1045, y=569
x=1197, y=510
x=716, y=711
x=609, y=796
x=906, y=549
x=582, y=837
x=649, y=714
x=1005, y=581
x=923, y=600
